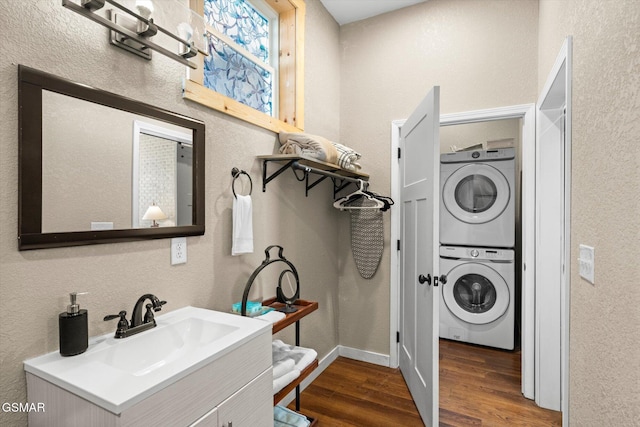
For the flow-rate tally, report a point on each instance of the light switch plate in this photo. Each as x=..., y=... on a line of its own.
x=586, y=263
x=178, y=250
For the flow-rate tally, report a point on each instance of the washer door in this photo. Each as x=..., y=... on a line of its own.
x=476, y=293
x=476, y=193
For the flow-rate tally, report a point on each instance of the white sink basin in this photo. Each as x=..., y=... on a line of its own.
x=118, y=373
x=162, y=345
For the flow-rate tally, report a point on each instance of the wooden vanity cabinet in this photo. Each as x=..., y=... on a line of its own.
x=246, y=407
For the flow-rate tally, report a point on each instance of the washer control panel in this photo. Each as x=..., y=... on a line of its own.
x=490, y=254
x=478, y=156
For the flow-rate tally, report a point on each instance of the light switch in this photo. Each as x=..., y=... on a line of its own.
x=586, y=263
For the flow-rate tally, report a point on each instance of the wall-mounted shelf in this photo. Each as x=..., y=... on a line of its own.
x=341, y=177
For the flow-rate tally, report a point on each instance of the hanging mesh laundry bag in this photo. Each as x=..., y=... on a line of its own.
x=367, y=237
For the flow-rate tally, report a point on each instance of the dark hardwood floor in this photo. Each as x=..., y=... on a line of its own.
x=478, y=387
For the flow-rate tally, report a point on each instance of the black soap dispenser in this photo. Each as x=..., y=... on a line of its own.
x=74, y=328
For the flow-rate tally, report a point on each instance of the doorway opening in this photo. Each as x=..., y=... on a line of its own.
x=522, y=119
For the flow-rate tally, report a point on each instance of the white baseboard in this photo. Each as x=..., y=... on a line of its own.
x=349, y=353
x=363, y=355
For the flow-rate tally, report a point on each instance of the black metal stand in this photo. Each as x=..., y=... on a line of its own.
x=298, y=386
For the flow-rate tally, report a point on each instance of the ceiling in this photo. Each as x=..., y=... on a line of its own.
x=346, y=11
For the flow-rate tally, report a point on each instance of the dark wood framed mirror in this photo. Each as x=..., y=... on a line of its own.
x=96, y=167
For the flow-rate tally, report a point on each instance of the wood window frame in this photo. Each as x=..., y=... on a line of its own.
x=291, y=15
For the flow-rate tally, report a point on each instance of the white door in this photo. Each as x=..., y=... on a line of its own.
x=553, y=231
x=419, y=265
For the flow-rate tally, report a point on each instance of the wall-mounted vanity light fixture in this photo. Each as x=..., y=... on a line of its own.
x=132, y=30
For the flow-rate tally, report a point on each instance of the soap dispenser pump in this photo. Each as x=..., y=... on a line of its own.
x=74, y=329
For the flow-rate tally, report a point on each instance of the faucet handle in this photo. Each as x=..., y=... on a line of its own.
x=123, y=324
x=148, y=316
x=160, y=306
x=121, y=315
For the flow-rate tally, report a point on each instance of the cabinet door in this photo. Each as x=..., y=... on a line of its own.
x=251, y=406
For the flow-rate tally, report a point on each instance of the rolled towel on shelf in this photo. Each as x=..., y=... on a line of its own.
x=283, y=367
x=283, y=381
x=302, y=356
x=309, y=145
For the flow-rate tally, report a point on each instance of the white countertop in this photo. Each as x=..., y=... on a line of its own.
x=115, y=374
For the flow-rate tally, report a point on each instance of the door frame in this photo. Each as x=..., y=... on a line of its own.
x=527, y=113
x=152, y=129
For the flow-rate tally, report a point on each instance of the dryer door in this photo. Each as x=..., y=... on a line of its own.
x=476, y=293
x=476, y=193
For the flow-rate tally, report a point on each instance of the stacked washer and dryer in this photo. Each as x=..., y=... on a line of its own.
x=477, y=238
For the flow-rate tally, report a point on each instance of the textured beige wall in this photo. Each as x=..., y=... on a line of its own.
x=34, y=284
x=481, y=53
x=605, y=201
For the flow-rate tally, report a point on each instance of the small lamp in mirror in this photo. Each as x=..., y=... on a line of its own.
x=154, y=213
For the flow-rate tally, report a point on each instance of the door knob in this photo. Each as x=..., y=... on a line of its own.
x=423, y=279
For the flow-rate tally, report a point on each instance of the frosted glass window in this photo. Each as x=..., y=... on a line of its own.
x=238, y=65
x=241, y=22
x=230, y=73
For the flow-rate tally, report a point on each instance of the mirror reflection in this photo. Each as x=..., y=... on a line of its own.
x=106, y=174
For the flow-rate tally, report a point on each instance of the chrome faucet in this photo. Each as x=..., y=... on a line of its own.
x=137, y=324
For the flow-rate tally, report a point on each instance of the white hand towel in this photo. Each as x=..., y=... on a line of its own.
x=283, y=367
x=283, y=381
x=272, y=316
x=242, y=233
x=301, y=356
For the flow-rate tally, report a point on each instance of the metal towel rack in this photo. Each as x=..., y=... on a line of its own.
x=235, y=173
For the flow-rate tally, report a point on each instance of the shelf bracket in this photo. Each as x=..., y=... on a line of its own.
x=313, y=184
x=340, y=182
x=265, y=179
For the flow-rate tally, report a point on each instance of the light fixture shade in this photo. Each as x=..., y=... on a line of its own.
x=154, y=213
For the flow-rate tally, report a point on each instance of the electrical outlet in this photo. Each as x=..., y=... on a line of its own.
x=178, y=250
x=586, y=263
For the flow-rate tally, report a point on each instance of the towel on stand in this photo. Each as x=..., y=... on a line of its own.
x=301, y=356
x=283, y=367
x=242, y=233
x=285, y=417
x=272, y=316
x=283, y=381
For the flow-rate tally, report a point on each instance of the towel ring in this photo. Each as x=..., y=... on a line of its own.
x=235, y=173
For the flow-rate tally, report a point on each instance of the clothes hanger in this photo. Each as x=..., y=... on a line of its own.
x=360, y=192
x=388, y=201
